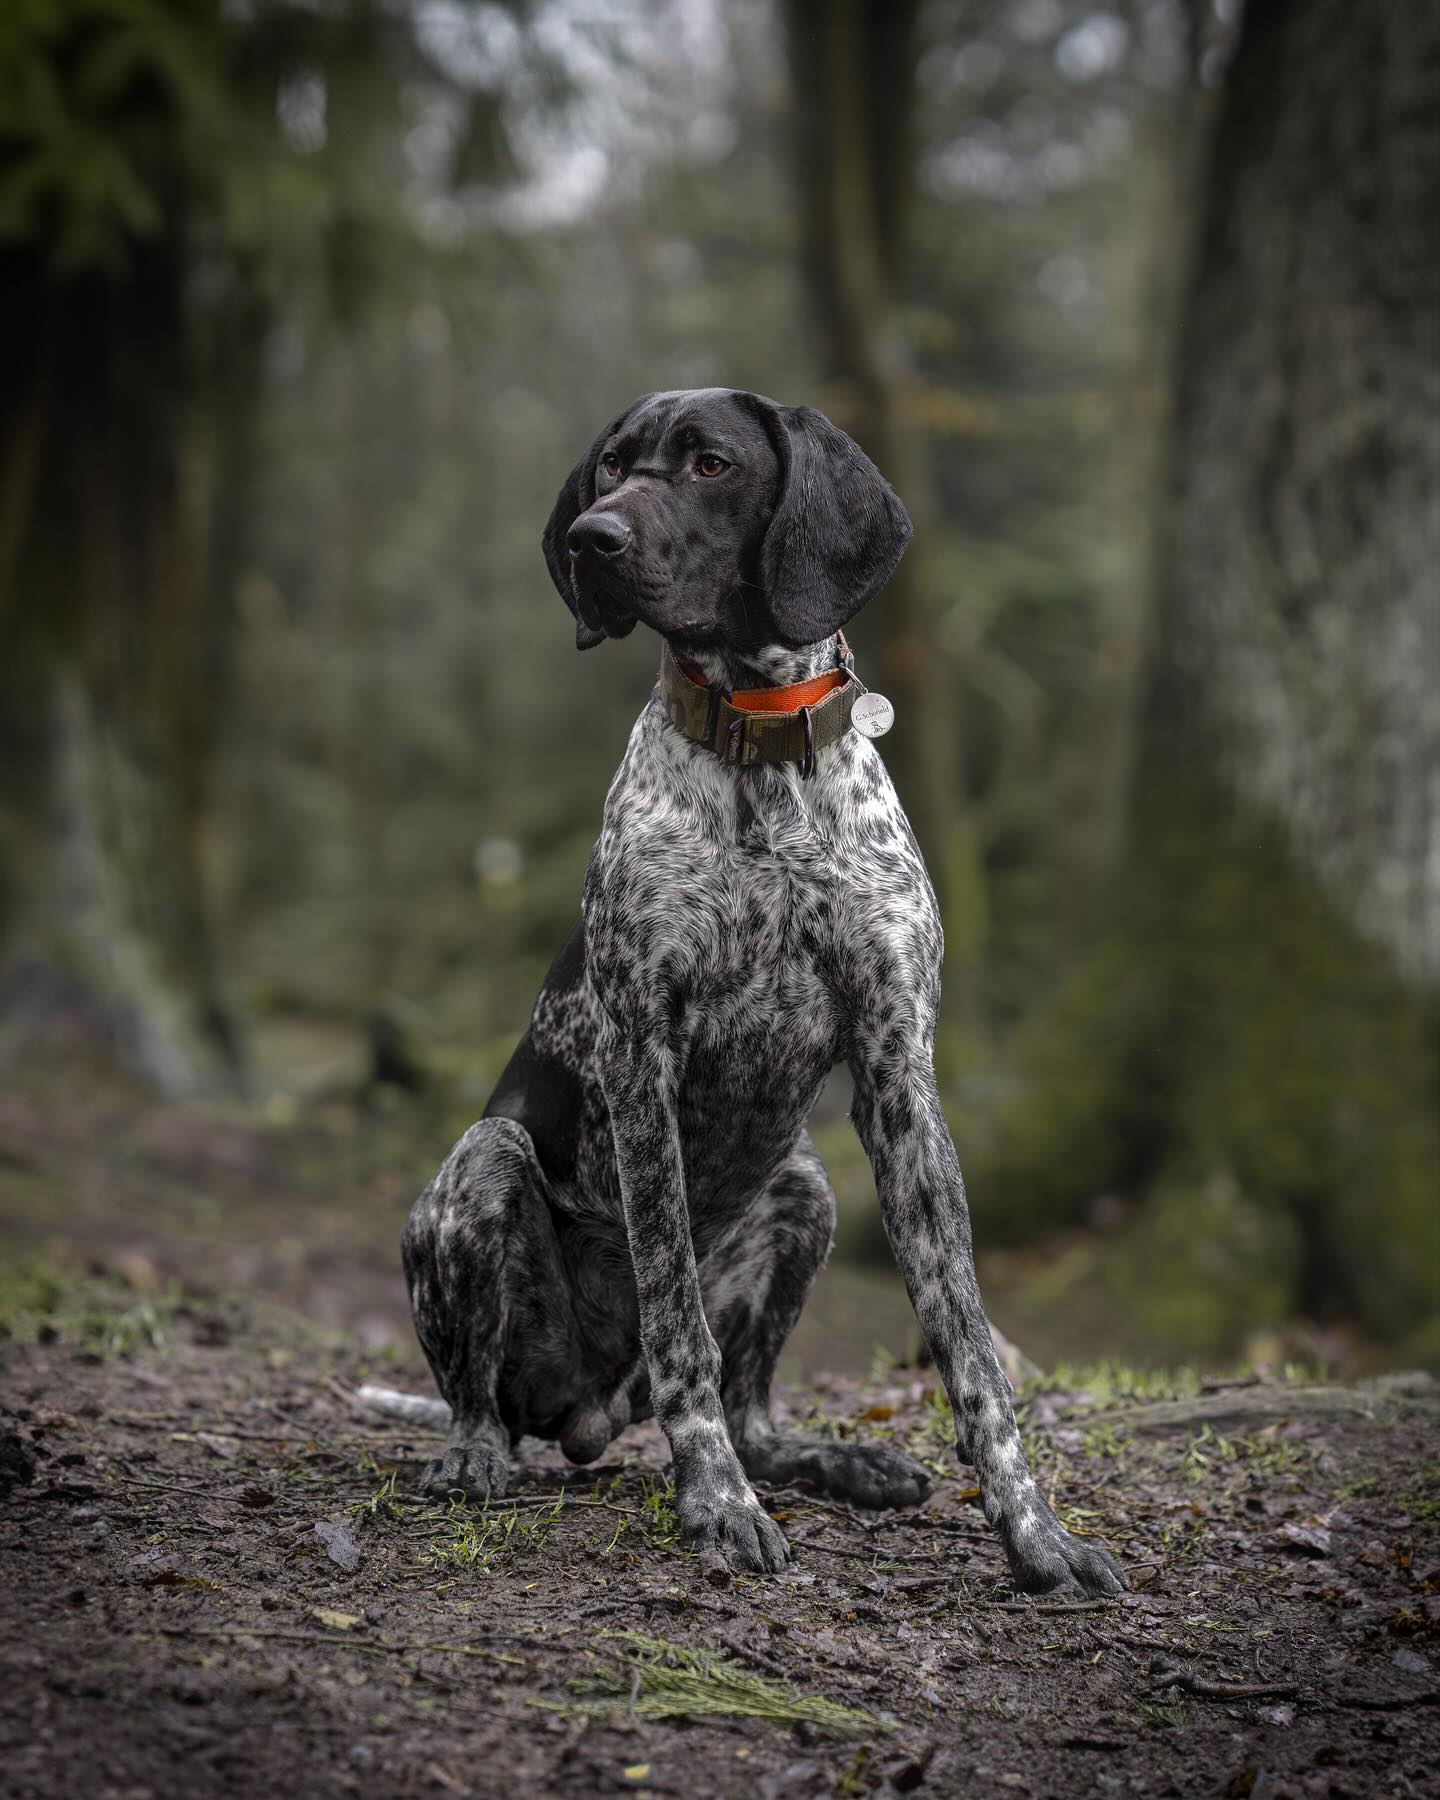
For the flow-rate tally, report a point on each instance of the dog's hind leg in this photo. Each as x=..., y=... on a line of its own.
x=755, y=1281
x=478, y=1239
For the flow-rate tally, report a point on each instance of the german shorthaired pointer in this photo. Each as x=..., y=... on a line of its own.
x=635, y=1223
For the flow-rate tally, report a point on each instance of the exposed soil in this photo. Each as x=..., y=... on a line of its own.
x=217, y=1579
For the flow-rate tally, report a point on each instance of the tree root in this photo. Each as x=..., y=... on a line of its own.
x=1411, y=1390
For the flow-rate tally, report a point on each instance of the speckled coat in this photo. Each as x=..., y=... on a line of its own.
x=635, y=1223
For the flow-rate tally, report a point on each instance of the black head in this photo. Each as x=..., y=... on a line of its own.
x=717, y=517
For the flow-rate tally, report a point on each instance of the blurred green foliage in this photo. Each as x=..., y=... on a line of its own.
x=452, y=238
x=118, y=117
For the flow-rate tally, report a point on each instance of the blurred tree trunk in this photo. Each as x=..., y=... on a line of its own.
x=1251, y=1051
x=852, y=68
x=108, y=607
x=1298, y=646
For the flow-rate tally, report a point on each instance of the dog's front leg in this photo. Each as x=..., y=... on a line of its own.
x=714, y=1502
x=922, y=1198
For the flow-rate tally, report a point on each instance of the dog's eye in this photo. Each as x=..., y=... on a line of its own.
x=711, y=464
x=610, y=463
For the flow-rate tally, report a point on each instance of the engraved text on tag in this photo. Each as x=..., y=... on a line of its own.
x=873, y=715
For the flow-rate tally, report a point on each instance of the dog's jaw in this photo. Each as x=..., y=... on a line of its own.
x=596, y=618
x=768, y=665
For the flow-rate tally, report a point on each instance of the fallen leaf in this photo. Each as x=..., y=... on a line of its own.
x=875, y=1413
x=136, y=1268
x=337, y=1621
x=53, y=1420
x=339, y=1542
x=217, y=1445
x=1309, y=1535
x=157, y=1568
x=637, y=1772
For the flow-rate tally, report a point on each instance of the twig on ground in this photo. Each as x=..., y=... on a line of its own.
x=872, y=1556
x=341, y=1392
x=782, y=1499
x=919, y=1522
x=169, y=1487
x=1133, y=1641
x=189, y=1428
x=367, y=1646
x=1060, y=1606
x=1180, y=1675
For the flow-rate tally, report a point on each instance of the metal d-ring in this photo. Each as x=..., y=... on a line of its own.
x=807, y=768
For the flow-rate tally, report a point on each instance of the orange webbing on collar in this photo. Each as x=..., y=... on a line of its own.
x=790, y=699
x=781, y=699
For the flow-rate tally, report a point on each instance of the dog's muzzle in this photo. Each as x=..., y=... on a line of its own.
x=596, y=542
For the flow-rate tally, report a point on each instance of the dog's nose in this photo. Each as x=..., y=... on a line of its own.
x=602, y=532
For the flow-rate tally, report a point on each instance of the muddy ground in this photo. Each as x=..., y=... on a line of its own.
x=216, y=1579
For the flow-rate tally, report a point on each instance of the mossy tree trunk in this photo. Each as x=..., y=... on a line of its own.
x=116, y=637
x=1250, y=1056
x=1300, y=618
x=852, y=68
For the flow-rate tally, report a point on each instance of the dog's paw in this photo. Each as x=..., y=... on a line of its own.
x=1044, y=1556
x=736, y=1528
x=474, y=1470
x=864, y=1474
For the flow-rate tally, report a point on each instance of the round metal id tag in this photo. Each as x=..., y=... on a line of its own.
x=872, y=714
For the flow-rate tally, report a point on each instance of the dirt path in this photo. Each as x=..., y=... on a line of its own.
x=216, y=1582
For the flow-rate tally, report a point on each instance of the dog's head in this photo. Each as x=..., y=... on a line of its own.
x=717, y=517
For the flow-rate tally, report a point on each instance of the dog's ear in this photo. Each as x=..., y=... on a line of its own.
x=577, y=495
x=838, y=529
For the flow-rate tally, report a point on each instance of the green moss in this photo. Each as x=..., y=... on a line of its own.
x=652, y=1678
x=484, y=1540
x=42, y=1298
x=1111, y=1383
x=1075, y=1116
x=1258, y=1087
x=1201, y=1269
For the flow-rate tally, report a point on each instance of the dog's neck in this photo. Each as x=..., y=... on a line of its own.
x=771, y=665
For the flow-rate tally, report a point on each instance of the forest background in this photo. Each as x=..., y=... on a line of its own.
x=306, y=308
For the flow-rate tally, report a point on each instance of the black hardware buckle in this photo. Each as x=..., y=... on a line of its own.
x=807, y=767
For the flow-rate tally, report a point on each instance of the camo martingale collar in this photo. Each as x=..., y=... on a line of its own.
x=761, y=725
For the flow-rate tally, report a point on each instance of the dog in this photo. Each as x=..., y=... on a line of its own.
x=633, y=1226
